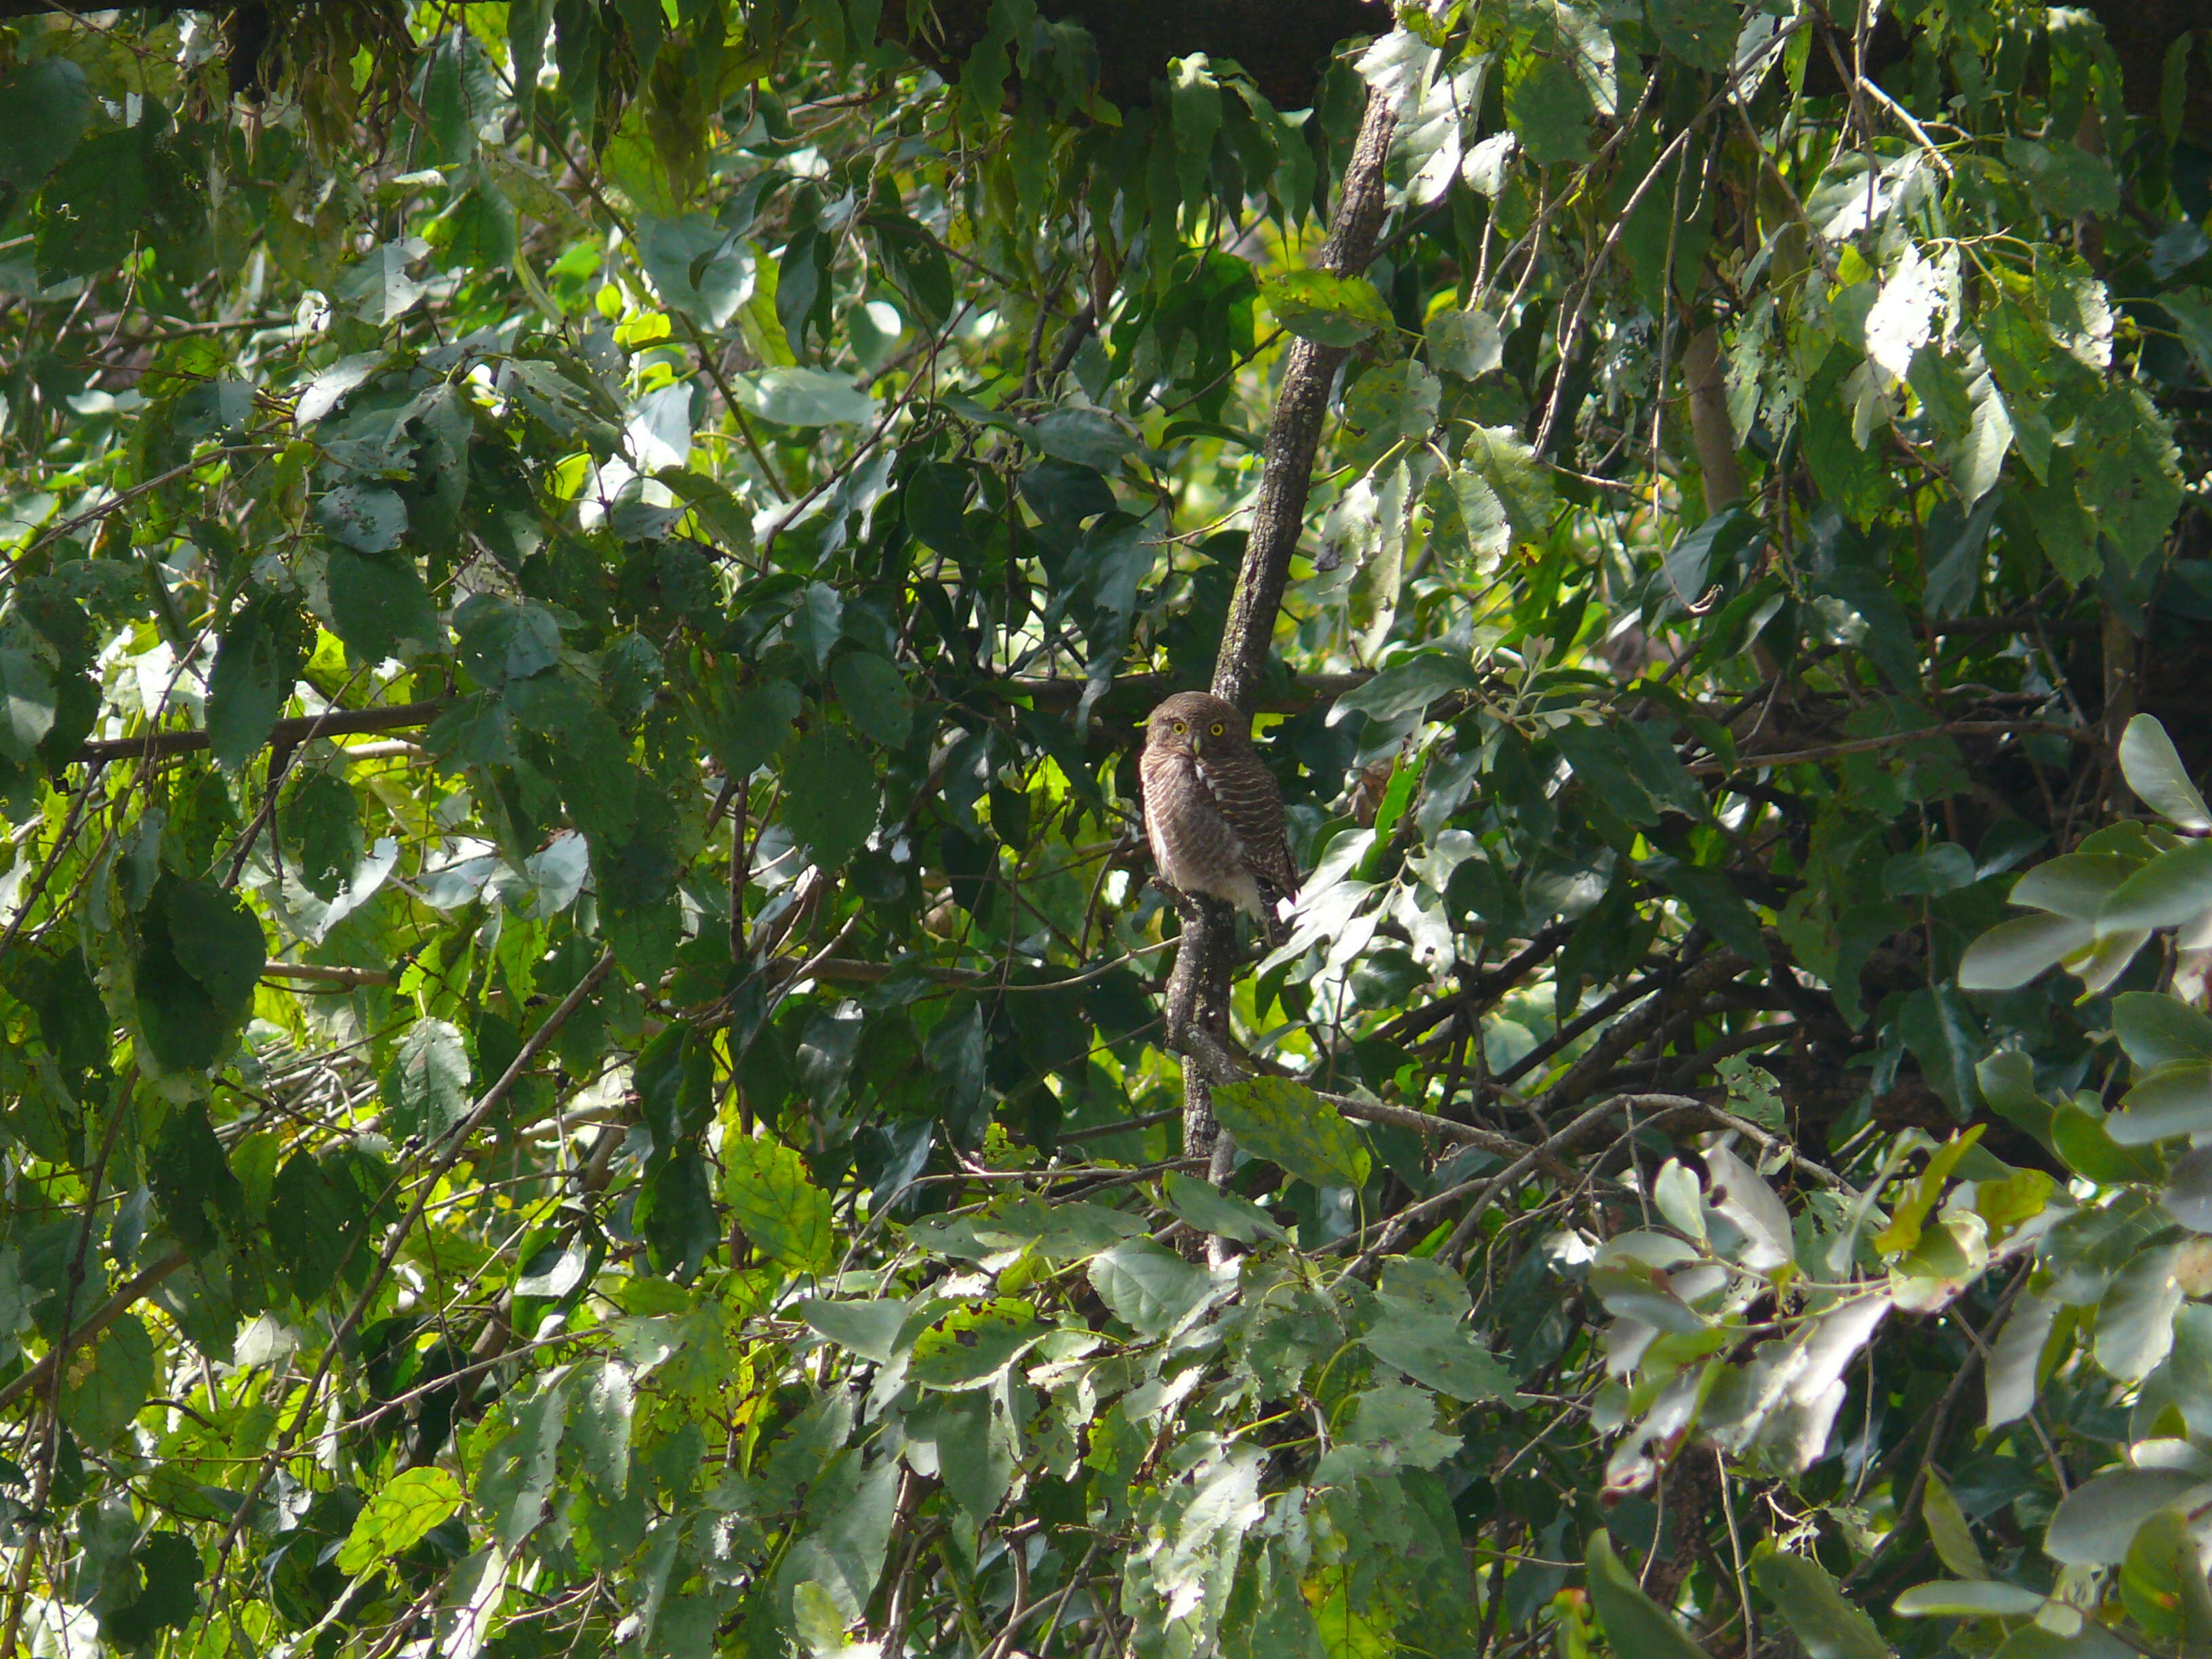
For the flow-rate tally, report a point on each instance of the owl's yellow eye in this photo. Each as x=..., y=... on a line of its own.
x=1180, y=728
x=1217, y=728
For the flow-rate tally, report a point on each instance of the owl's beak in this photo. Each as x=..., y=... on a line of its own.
x=1197, y=741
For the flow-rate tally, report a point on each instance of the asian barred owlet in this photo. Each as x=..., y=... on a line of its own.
x=1212, y=809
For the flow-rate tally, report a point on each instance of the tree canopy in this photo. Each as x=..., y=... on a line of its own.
x=589, y=1058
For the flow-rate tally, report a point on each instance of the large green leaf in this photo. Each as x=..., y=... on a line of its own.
x=970, y=1346
x=1701, y=33
x=254, y=669
x=105, y=1388
x=1149, y=1288
x=427, y=1088
x=44, y=104
x=1818, y=1615
x=169, y=1570
x=379, y=606
x=27, y=700
x=399, y=1516
x=1288, y=1124
x=1325, y=309
x=192, y=1180
x=1638, y=1627
x=771, y=1197
x=830, y=794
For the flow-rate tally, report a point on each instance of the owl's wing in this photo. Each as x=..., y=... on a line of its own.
x=1247, y=794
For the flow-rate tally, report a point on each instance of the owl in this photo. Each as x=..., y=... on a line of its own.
x=1211, y=810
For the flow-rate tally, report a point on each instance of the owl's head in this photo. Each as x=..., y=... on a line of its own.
x=1192, y=722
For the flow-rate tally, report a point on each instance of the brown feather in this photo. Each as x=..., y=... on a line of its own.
x=1212, y=811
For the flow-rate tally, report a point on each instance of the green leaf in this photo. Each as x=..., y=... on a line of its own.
x=1701, y=555
x=192, y=1180
x=935, y=503
x=44, y=106
x=601, y=1420
x=2173, y=888
x=1205, y=1207
x=1468, y=525
x=970, y=1346
x=1398, y=400
x=378, y=290
x=1328, y=309
x=314, y=1220
x=2013, y=952
x=697, y=268
x=804, y=397
x=321, y=820
x=675, y=1213
x=399, y=1517
x=830, y=795
x=255, y=667
x=870, y=1329
x=201, y=953
x=1976, y=1598
x=1701, y=33
x=2075, y=884
x=917, y=265
x=368, y=518
x=1082, y=437
x=1467, y=343
x=744, y=729
x=101, y=1392
x=2163, y=1576
x=1946, y=1038
x=1422, y=1332
x=2172, y=1100
x=766, y=1186
x=514, y=1481
x=426, y=1089
x=2153, y=770
x=1411, y=682
x=2134, y=1319
x=169, y=1572
x=1801, y=1590
x=874, y=697
x=1636, y=1625
x=1948, y=1530
x=674, y=1076
x=1294, y=1128
x=2068, y=181
x=2094, y=1523
x=2157, y=1029
x=217, y=940
x=26, y=703
x=1714, y=901
x=1400, y=1421
x=2083, y=1139
x=379, y=606
x=1149, y=1288
x=93, y=206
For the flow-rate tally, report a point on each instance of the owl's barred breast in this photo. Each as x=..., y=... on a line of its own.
x=1195, y=847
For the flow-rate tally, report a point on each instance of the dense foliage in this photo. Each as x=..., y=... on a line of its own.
x=582, y=1063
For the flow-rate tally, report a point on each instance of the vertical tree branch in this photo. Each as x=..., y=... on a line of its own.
x=1198, y=991
x=1294, y=431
